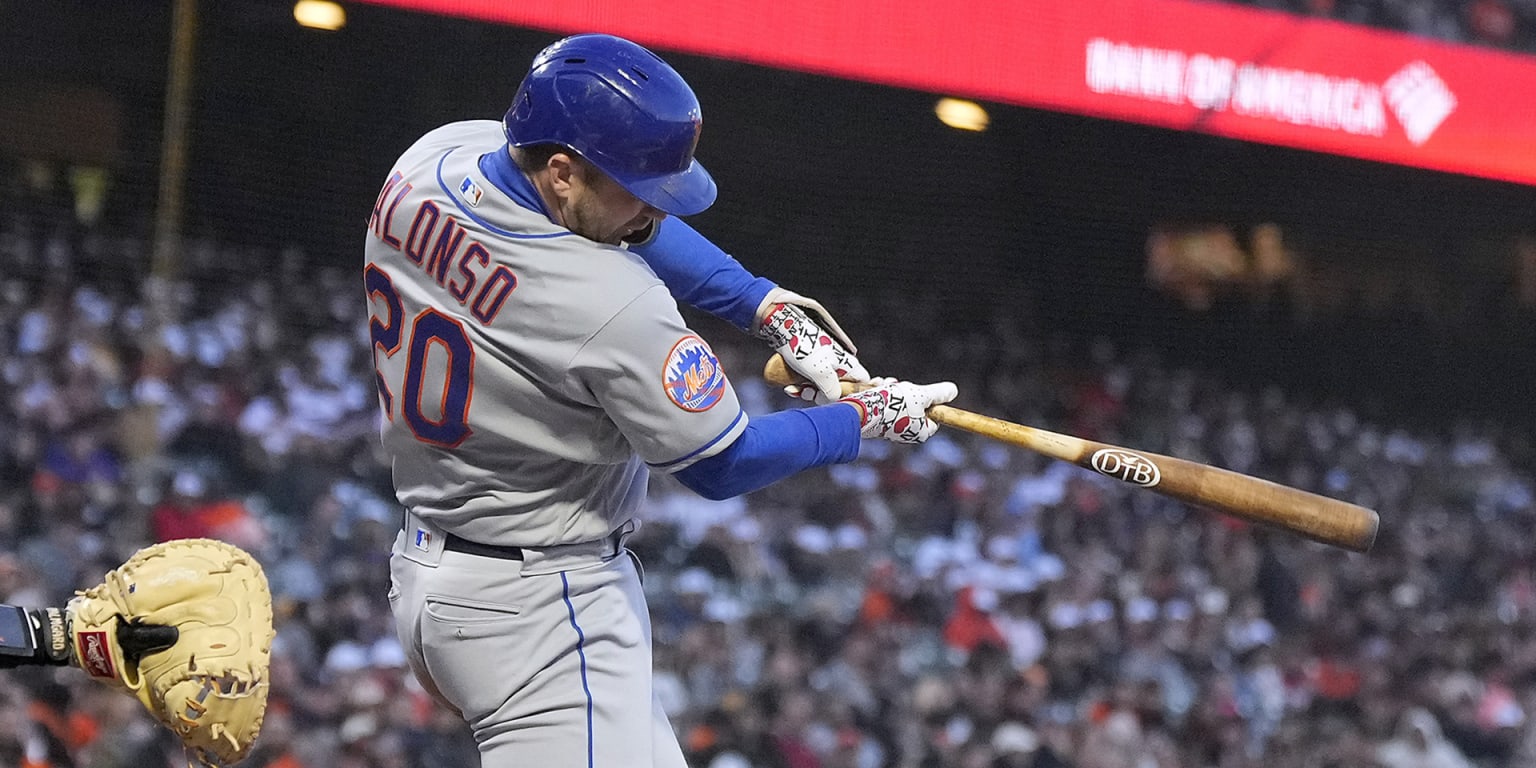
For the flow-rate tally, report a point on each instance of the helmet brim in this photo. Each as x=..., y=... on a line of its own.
x=678, y=194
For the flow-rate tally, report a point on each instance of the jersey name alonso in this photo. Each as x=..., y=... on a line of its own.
x=527, y=376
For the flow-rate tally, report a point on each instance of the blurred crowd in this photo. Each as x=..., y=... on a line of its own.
x=954, y=605
x=1507, y=24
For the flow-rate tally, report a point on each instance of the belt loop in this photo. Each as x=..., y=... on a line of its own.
x=622, y=534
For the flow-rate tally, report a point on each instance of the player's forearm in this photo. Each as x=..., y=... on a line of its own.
x=700, y=274
x=776, y=446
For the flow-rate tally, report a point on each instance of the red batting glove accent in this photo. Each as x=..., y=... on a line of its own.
x=863, y=409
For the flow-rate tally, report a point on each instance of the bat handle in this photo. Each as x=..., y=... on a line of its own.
x=777, y=372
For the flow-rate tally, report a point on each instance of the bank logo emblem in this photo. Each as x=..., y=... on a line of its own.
x=1420, y=100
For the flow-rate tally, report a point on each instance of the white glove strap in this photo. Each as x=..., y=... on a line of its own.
x=783, y=296
x=806, y=348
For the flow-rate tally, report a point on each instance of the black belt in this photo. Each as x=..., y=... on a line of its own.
x=453, y=543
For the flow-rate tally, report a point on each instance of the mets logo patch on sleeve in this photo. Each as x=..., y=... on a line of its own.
x=692, y=377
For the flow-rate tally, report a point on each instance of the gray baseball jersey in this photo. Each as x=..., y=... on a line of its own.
x=527, y=375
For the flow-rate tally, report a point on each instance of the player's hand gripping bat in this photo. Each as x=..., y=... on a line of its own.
x=1316, y=517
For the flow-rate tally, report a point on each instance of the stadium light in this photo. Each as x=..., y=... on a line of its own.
x=319, y=14
x=961, y=114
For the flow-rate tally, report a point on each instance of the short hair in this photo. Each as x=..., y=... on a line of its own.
x=531, y=158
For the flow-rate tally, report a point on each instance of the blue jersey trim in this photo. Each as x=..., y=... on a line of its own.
x=717, y=438
x=581, y=652
x=695, y=270
x=477, y=219
x=505, y=176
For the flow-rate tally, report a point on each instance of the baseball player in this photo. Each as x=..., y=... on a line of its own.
x=533, y=367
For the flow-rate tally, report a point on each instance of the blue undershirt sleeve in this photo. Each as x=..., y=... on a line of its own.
x=774, y=447
x=701, y=275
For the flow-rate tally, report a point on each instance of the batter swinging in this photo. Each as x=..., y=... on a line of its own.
x=533, y=367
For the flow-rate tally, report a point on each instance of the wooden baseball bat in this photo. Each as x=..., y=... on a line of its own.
x=1319, y=518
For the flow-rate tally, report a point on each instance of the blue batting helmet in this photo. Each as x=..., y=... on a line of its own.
x=623, y=109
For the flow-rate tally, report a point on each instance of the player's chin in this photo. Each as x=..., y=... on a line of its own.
x=608, y=237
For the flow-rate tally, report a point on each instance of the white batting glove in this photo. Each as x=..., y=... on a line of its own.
x=809, y=350
x=785, y=296
x=898, y=410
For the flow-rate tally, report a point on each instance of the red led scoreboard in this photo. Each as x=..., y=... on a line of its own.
x=1191, y=65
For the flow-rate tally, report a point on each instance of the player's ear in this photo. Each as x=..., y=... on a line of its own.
x=562, y=169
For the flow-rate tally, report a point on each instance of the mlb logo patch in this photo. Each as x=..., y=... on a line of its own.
x=470, y=190
x=692, y=377
x=423, y=540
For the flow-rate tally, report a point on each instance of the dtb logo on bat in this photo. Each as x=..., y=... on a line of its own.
x=1124, y=465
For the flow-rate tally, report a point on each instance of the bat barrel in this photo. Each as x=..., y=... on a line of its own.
x=1330, y=521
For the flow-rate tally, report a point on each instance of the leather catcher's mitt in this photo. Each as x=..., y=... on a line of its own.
x=186, y=626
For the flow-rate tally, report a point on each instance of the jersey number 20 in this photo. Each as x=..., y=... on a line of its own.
x=429, y=328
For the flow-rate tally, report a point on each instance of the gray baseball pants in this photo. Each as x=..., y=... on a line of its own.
x=547, y=658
